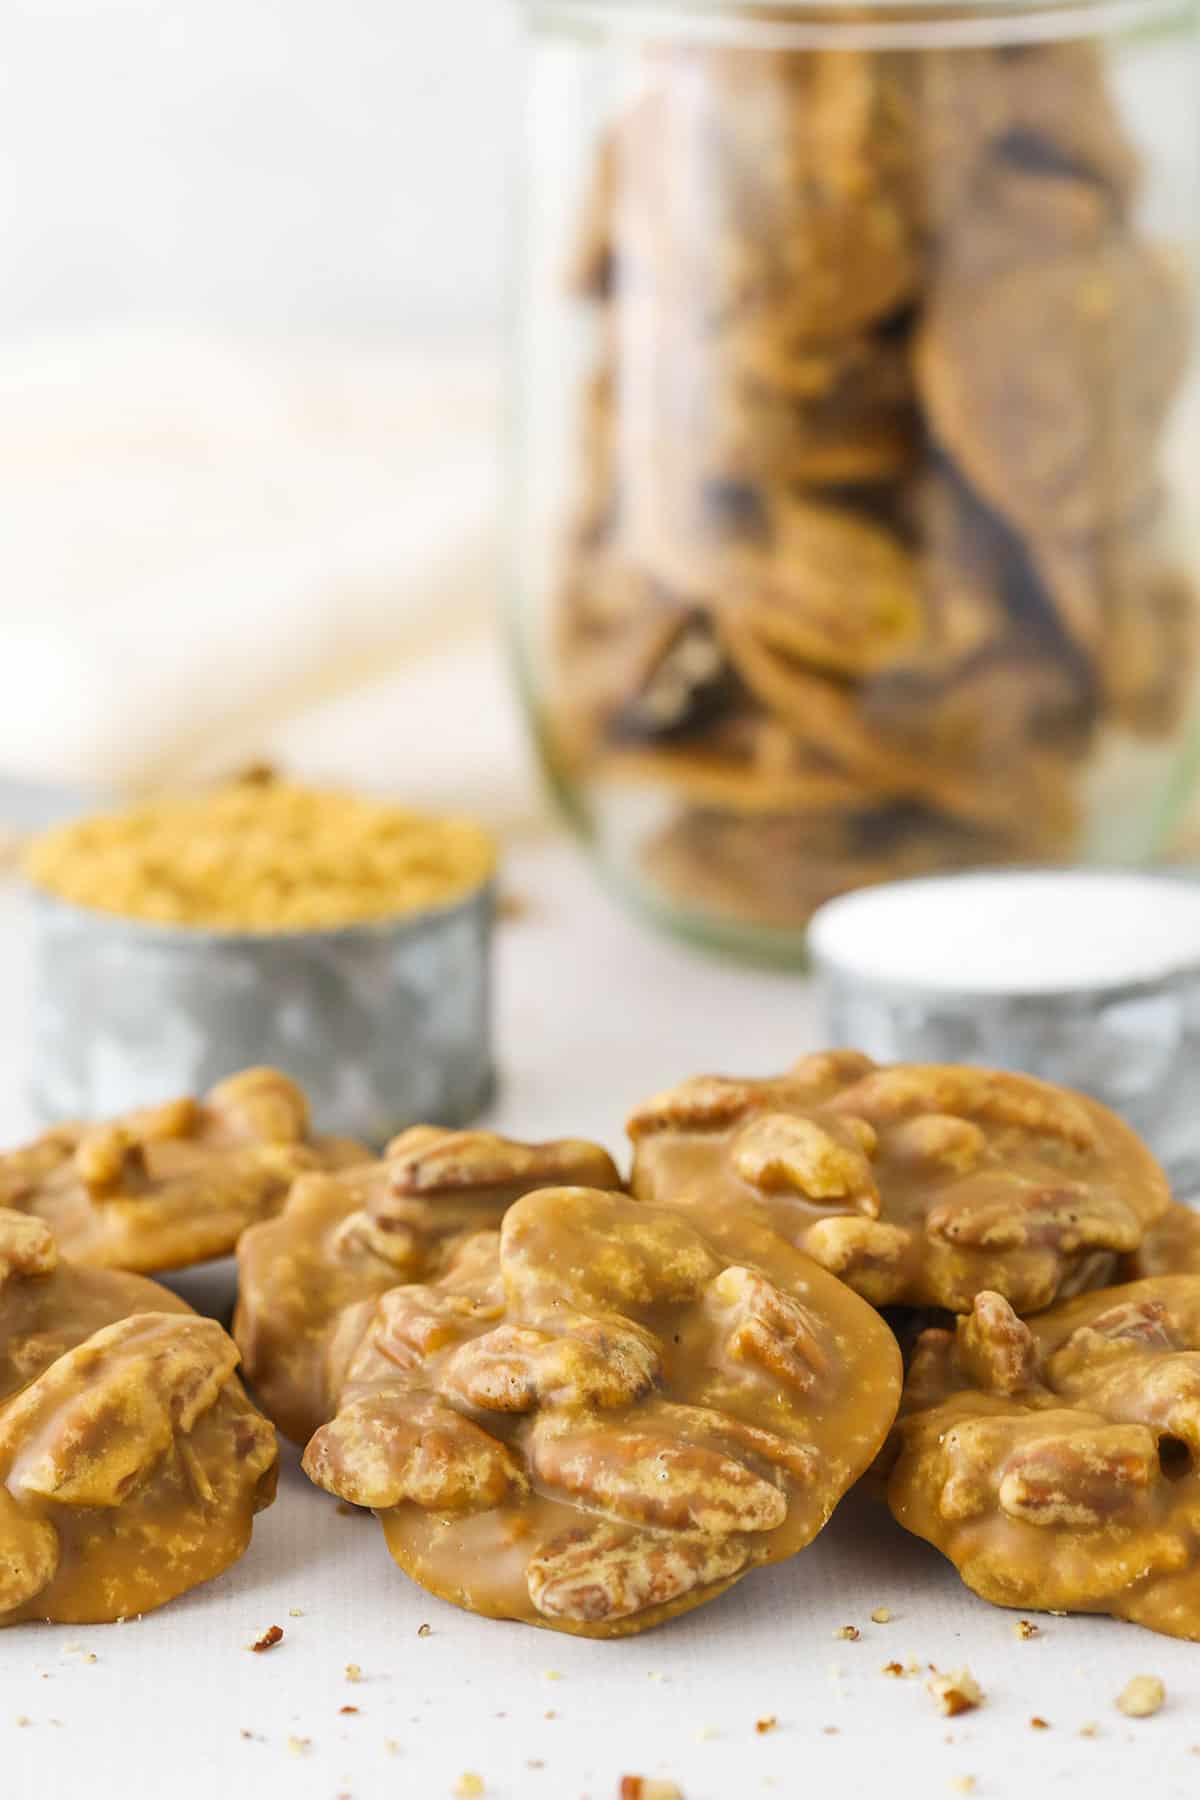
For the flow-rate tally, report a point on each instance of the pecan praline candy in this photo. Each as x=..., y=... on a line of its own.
x=1054, y=1460
x=171, y=1185
x=918, y=1184
x=602, y=1416
x=131, y=1462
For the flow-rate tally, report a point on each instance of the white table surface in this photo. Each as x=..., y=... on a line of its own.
x=594, y=1011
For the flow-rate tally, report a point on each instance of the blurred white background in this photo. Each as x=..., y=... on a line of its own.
x=254, y=276
x=301, y=165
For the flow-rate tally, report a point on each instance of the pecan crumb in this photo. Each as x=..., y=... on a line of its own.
x=468, y=1784
x=764, y=1725
x=881, y=1616
x=1091, y=1729
x=851, y=1633
x=272, y=1636
x=295, y=1612
x=424, y=1630
x=1025, y=1628
x=830, y=1730
x=1039, y=1724
x=353, y=1672
x=1141, y=1696
x=892, y=1668
x=963, y=1784
x=347, y=1709
x=90, y=1656
x=24, y=1719
x=957, y=1693
x=298, y=1746
x=550, y=1715
x=535, y=1762
x=392, y=1746
x=643, y=1787
x=552, y=1674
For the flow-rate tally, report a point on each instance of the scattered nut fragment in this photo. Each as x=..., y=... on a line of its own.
x=850, y=1632
x=963, y=1784
x=354, y=1672
x=893, y=1668
x=24, y=1719
x=881, y=1616
x=271, y=1636
x=424, y=1630
x=1025, y=1628
x=553, y=1675
x=957, y=1693
x=468, y=1785
x=1038, y=1724
x=1141, y=1696
x=347, y=1709
x=1090, y=1730
x=646, y=1787
x=295, y=1612
x=299, y=1746
x=764, y=1725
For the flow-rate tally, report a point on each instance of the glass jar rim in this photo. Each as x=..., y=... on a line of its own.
x=891, y=23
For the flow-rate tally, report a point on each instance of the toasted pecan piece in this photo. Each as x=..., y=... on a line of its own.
x=389, y=1447
x=601, y=1573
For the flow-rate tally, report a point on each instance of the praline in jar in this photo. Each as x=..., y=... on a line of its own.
x=857, y=516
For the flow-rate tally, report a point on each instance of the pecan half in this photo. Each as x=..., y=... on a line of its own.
x=770, y=1329
x=429, y=1160
x=590, y=1363
x=102, y=1415
x=392, y=1446
x=782, y=1152
x=597, y=1573
x=654, y=1477
x=997, y=1350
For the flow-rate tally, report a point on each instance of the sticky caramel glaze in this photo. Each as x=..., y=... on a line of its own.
x=309, y=1280
x=600, y=1416
x=172, y=1185
x=1056, y=1461
x=919, y=1185
x=131, y=1461
x=1170, y=1247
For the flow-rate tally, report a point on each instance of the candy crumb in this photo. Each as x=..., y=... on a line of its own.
x=957, y=1693
x=1141, y=1696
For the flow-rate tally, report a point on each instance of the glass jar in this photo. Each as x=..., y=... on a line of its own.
x=858, y=508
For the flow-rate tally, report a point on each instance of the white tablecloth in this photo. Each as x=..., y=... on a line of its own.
x=593, y=1012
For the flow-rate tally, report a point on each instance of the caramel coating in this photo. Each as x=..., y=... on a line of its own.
x=171, y=1185
x=918, y=1184
x=131, y=1461
x=310, y=1278
x=1170, y=1247
x=602, y=1416
x=1053, y=1460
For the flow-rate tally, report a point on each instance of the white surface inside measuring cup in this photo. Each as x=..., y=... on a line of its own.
x=1018, y=931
